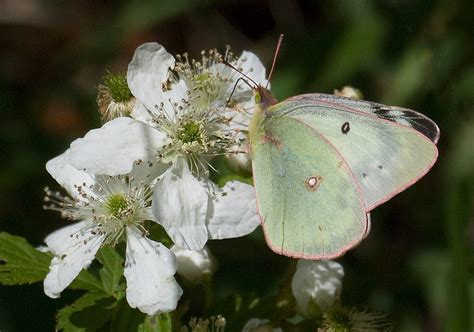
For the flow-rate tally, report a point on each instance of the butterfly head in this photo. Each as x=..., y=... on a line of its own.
x=264, y=98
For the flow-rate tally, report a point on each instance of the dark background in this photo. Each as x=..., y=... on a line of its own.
x=417, y=263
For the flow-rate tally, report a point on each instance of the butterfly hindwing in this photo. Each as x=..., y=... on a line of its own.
x=385, y=156
x=309, y=201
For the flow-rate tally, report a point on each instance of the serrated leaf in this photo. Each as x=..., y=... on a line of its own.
x=90, y=312
x=112, y=270
x=21, y=263
x=158, y=323
x=86, y=281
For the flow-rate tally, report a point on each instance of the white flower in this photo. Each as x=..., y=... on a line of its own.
x=194, y=265
x=319, y=282
x=181, y=121
x=108, y=209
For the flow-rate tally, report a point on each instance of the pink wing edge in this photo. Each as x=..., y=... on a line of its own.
x=343, y=250
x=402, y=188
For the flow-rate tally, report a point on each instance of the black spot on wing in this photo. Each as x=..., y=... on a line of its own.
x=345, y=128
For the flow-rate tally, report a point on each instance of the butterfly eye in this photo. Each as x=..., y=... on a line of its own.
x=312, y=183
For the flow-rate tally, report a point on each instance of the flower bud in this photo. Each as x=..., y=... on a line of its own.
x=114, y=97
x=316, y=285
x=240, y=163
x=195, y=265
x=349, y=92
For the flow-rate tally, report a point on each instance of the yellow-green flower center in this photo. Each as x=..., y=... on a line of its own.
x=117, y=205
x=190, y=132
x=201, y=78
x=118, y=87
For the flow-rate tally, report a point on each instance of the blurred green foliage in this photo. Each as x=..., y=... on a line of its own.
x=417, y=265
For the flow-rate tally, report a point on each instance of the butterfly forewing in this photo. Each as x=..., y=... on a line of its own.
x=402, y=116
x=384, y=156
x=309, y=201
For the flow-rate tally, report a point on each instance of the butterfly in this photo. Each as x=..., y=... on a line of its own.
x=322, y=162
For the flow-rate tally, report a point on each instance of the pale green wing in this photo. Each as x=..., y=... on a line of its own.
x=310, y=204
x=385, y=156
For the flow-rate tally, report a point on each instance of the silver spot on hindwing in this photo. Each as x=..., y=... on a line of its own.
x=312, y=183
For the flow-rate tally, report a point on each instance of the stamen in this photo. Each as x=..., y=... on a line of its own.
x=196, y=126
x=112, y=204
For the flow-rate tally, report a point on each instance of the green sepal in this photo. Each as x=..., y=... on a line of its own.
x=158, y=323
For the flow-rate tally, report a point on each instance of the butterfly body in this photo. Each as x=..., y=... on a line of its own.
x=322, y=162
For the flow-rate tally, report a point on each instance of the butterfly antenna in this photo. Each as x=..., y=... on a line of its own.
x=277, y=50
x=235, y=87
x=227, y=63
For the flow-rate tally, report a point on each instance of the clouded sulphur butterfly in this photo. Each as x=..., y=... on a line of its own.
x=322, y=162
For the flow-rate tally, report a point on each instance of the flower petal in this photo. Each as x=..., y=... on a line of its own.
x=149, y=270
x=147, y=72
x=319, y=281
x=240, y=162
x=238, y=119
x=251, y=66
x=145, y=173
x=175, y=100
x=113, y=148
x=66, y=175
x=180, y=205
x=74, y=248
x=141, y=113
x=233, y=212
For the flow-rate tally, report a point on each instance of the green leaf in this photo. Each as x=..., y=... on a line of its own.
x=20, y=263
x=158, y=323
x=112, y=270
x=86, y=281
x=127, y=319
x=25, y=264
x=90, y=312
